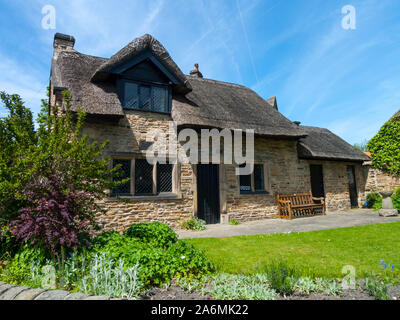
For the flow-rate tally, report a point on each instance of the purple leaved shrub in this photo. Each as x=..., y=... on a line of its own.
x=57, y=216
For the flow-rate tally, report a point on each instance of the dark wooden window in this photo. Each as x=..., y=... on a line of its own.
x=259, y=177
x=144, y=97
x=254, y=182
x=143, y=177
x=125, y=172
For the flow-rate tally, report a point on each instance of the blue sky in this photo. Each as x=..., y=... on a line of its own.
x=323, y=75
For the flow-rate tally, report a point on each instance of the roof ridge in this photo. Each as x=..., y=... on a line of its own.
x=218, y=81
x=83, y=54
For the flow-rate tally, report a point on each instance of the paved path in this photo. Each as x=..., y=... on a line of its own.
x=351, y=218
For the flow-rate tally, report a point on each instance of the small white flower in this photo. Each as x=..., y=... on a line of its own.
x=183, y=257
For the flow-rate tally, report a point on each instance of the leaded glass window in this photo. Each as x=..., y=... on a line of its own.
x=124, y=172
x=143, y=177
x=164, y=177
x=144, y=97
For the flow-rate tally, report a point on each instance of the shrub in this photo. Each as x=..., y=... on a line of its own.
x=236, y=287
x=57, y=147
x=385, y=146
x=396, y=198
x=194, y=224
x=156, y=234
x=334, y=288
x=376, y=287
x=8, y=244
x=25, y=266
x=234, y=222
x=374, y=200
x=282, y=277
x=110, y=278
x=56, y=215
x=158, y=264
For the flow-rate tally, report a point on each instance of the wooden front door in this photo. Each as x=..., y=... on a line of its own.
x=317, y=181
x=208, y=193
x=352, y=186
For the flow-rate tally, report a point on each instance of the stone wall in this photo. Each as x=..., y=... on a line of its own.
x=14, y=292
x=377, y=180
x=125, y=139
x=336, y=185
x=285, y=175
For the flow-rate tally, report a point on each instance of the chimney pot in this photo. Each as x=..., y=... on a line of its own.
x=297, y=123
x=63, y=41
x=195, y=72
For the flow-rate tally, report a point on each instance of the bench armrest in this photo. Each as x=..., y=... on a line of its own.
x=321, y=199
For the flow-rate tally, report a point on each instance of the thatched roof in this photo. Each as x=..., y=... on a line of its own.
x=134, y=48
x=226, y=105
x=72, y=71
x=321, y=143
x=210, y=103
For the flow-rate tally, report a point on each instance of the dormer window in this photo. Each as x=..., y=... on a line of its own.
x=142, y=96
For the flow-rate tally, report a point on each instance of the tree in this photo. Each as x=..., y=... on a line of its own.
x=361, y=146
x=59, y=166
x=385, y=146
x=56, y=215
x=17, y=139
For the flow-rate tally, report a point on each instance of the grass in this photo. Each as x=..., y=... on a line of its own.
x=315, y=254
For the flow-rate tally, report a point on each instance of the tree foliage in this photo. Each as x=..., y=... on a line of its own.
x=64, y=171
x=56, y=215
x=361, y=146
x=385, y=146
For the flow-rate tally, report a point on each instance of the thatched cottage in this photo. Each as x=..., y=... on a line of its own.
x=141, y=88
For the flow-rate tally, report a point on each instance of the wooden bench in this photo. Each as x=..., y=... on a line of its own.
x=299, y=205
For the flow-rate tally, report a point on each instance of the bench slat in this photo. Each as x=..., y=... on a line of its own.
x=301, y=204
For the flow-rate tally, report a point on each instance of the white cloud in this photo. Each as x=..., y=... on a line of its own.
x=18, y=78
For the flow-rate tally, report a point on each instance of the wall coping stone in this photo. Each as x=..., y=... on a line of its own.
x=14, y=292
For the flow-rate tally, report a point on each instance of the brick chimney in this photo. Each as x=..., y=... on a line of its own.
x=63, y=41
x=195, y=72
x=272, y=102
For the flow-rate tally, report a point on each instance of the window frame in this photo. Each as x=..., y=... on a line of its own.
x=267, y=186
x=140, y=83
x=175, y=176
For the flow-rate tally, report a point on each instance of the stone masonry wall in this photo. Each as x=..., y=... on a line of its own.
x=336, y=185
x=377, y=180
x=285, y=175
x=125, y=138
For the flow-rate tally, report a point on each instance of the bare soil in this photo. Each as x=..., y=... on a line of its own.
x=175, y=292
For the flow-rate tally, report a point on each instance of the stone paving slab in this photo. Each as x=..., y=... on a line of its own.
x=332, y=220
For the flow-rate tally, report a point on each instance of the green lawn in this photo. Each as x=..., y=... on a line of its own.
x=317, y=253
